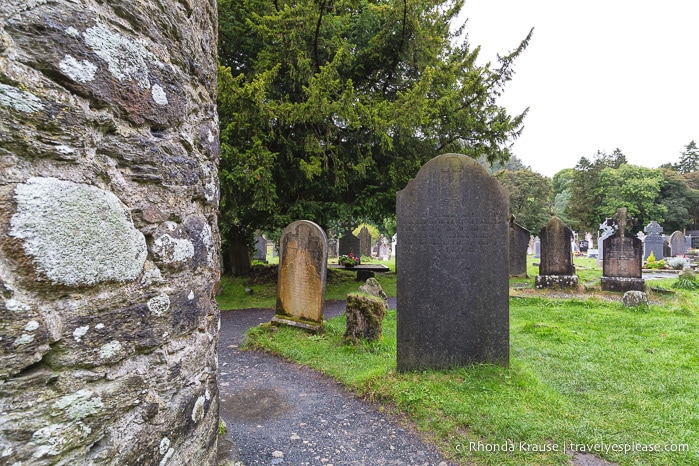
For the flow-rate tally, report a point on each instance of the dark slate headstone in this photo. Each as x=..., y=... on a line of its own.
x=653, y=242
x=365, y=242
x=678, y=244
x=623, y=259
x=303, y=260
x=556, y=266
x=349, y=243
x=261, y=249
x=453, y=306
x=519, y=242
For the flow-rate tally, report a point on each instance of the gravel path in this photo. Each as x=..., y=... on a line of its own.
x=281, y=413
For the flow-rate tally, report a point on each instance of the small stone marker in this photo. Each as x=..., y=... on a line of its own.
x=519, y=241
x=623, y=258
x=365, y=313
x=365, y=242
x=653, y=242
x=348, y=243
x=678, y=244
x=635, y=298
x=303, y=256
x=452, y=305
x=556, y=267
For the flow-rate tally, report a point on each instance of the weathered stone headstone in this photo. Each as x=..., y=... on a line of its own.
x=556, y=266
x=109, y=240
x=364, y=242
x=537, y=247
x=678, y=244
x=453, y=306
x=333, y=247
x=653, y=242
x=519, y=241
x=383, y=252
x=349, y=243
x=623, y=258
x=365, y=312
x=394, y=244
x=303, y=256
x=261, y=249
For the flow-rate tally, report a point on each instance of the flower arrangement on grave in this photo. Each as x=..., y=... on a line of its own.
x=349, y=260
x=651, y=263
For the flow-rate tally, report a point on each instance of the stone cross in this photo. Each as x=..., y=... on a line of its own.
x=653, y=228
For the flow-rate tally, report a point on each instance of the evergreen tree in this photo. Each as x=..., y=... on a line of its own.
x=689, y=161
x=327, y=108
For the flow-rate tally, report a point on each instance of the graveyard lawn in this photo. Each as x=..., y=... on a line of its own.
x=585, y=374
x=261, y=286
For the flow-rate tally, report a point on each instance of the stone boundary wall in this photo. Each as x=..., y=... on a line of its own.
x=109, y=256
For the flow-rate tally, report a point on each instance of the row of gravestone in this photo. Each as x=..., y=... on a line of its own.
x=453, y=307
x=361, y=245
x=452, y=281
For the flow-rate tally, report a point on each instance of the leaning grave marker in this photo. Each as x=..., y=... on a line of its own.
x=452, y=306
x=303, y=261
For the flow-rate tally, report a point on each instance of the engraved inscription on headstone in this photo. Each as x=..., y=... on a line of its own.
x=453, y=306
x=303, y=255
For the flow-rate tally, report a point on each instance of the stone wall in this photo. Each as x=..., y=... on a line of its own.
x=109, y=250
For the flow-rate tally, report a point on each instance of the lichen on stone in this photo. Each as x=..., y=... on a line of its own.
x=126, y=59
x=159, y=305
x=77, y=234
x=20, y=100
x=80, y=71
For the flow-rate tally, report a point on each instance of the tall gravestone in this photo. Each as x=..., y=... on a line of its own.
x=653, y=242
x=109, y=254
x=453, y=306
x=623, y=258
x=519, y=242
x=349, y=243
x=537, y=247
x=556, y=266
x=678, y=244
x=302, y=272
x=365, y=242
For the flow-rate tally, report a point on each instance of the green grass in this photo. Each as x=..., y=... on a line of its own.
x=586, y=371
x=232, y=293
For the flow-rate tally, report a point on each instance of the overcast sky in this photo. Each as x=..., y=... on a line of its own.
x=597, y=75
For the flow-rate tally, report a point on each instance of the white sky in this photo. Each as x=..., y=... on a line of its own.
x=597, y=75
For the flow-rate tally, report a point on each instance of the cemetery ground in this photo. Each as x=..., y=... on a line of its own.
x=586, y=374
